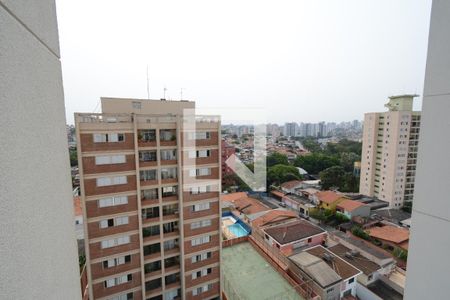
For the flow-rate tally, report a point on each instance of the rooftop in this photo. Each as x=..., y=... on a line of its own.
x=340, y=266
x=350, y=205
x=355, y=259
x=293, y=231
x=251, y=276
x=328, y=196
x=392, y=234
x=315, y=267
x=360, y=244
x=392, y=215
x=298, y=199
x=291, y=184
x=275, y=215
x=243, y=203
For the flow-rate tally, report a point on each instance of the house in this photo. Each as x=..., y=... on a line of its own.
x=272, y=217
x=300, y=204
x=242, y=206
x=309, y=193
x=391, y=237
x=334, y=277
x=294, y=235
x=371, y=271
x=277, y=194
x=351, y=208
x=329, y=199
x=291, y=186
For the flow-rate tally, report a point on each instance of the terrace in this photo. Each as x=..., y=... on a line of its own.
x=247, y=275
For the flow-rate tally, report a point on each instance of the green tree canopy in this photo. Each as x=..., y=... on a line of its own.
x=281, y=173
x=315, y=162
x=332, y=177
x=277, y=159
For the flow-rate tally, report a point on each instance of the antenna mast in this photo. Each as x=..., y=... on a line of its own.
x=165, y=89
x=148, y=86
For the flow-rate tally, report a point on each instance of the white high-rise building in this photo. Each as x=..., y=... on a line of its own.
x=429, y=244
x=389, y=152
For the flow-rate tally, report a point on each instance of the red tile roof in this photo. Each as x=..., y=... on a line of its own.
x=272, y=216
x=389, y=233
x=350, y=205
x=244, y=203
x=290, y=184
x=293, y=231
x=233, y=196
x=278, y=193
x=328, y=196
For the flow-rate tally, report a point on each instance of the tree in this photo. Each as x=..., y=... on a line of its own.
x=73, y=157
x=316, y=162
x=359, y=232
x=281, y=173
x=332, y=177
x=277, y=159
x=311, y=144
x=347, y=160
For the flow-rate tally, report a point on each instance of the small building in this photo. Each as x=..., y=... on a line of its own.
x=351, y=208
x=391, y=237
x=291, y=186
x=272, y=217
x=294, y=235
x=300, y=204
x=241, y=205
x=334, y=278
x=329, y=199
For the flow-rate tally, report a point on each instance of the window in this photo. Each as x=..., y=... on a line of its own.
x=351, y=280
x=147, y=175
x=201, y=257
x=116, y=261
x=167, y=135
x=118, y=280
x=199, y=135
x=105, y=181
x=200, y=224
x=115, y=242
x=201, y=206
x=201, y=240
x=199, y=172
x=199, y=153
x=136, y=105
x=169, y=173
x=201, y=289
x=147, y=156
x=201, y=273
x=200, y=189
x=168, y=191
x=112, y=201
x=169, y=154
x=149, y=194
x=108, y=137
x=110, y=159
x=147, y=135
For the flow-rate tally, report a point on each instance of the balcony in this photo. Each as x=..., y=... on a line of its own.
x=148, y=159
x=147, y=138
x=167, y=137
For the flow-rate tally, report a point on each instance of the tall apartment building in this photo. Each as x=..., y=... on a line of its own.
x=389, y=152
x=290, y=129
x=150, y=189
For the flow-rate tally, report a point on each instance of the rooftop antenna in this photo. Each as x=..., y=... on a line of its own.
x=181, y=93
x=165, y=89
x=148, y=86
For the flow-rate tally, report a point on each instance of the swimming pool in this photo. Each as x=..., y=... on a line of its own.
x=237, y=230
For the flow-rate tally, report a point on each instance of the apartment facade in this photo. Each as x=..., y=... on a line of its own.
x=150, y=185
x=389, y=152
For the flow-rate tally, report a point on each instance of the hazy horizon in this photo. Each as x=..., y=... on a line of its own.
x=300, y=61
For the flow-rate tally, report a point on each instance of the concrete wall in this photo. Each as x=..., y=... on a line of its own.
x=429, y=247
x=38, y=251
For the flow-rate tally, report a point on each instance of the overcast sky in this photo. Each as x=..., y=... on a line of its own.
x=303, y=61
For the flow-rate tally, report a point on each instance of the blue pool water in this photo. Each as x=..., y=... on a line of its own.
x=237, y=230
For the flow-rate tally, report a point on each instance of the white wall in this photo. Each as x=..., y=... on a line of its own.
x=429, y=247
x=38, y=254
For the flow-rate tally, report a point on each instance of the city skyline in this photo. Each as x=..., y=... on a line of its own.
x=292, y=59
